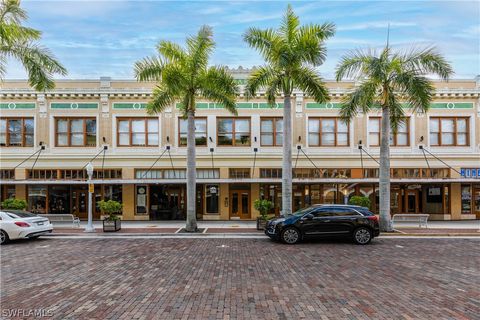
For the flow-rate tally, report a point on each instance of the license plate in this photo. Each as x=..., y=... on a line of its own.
x=40, y=223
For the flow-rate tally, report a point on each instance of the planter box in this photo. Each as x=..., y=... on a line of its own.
x=261, y=224
x=111, y=226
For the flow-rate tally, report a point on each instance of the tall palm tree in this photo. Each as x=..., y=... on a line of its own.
x=19, y=42
x=386, y=79
x=183, y=74
x=291, y=53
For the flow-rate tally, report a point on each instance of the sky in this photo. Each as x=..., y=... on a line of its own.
x=105, y=38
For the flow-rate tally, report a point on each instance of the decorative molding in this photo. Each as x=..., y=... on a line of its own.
x=240, y=105
x=73, y=105
x=17, y=105
x=129, y=105
x=104, y=102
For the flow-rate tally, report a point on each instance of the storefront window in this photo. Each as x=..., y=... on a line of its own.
x=434, y=200
x=37, y=199
x=141, y=200
x=466, y=199
x=59, y=199
x=212, y=192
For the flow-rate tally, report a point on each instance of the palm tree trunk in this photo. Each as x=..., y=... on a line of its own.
x=191, y=174
x=385, y=221
x=287, y=157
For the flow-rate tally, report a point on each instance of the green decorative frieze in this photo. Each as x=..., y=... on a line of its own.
x=74, y=105
x=240, y=105
x=328, y=105
x=17, y=105
x=129, y=105
x=452, y=105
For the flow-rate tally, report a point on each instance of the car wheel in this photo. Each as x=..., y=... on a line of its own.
x=3, y=237
x=291, y=236
x=362, y=235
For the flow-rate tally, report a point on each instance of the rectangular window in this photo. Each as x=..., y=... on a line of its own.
x=239, y=173
x=400, y=139
x=7, y=174
x=212, y=198
x=200, y=132
x=449, y=131
x=327, y=132
x=233, y=131
x=141, y=132
x=270, y=172
x=16, y=132
x=76, y=132
x=208, y=173
x=271, y=132
x=466, y=199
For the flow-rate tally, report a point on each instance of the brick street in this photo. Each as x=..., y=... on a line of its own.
x=242, y=279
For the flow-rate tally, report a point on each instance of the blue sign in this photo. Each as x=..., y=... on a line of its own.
x=470, y=172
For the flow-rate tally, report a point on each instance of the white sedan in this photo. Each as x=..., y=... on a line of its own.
x=17, y=224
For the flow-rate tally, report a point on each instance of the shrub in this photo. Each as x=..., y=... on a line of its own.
x=111, y=208
x=360, y=201
x=263, y=206
x=14, y=204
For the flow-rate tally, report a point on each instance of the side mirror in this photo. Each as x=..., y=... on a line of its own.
x=308, y=216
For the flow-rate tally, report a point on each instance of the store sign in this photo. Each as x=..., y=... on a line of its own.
x=213, y=190
x=434, y=191
x=470, y=172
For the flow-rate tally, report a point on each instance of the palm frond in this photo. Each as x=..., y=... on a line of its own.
x=267, y=41
x=309, y=42
x=428, y=61
x=163, y=97
x=200, y=47
x=260, y=77
x=397, y=114
x=289, y=25
x=218, y=85
x=416, y=89
x=308, y=80
x=272, y=90
x=361, y=98
x=171, y=51
x=148, y=69
x=353, y=65
x=11, y=12
x=39, y=63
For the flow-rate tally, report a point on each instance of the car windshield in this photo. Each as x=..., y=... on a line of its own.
x=303, y=211
x=22, y=214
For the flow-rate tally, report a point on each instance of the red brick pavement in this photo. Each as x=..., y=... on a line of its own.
x=242, y=279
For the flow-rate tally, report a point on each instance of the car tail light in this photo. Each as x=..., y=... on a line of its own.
x=374, y=218
x=22, y=224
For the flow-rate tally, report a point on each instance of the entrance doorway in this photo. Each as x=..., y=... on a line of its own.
x=166, y=202
x=240, y=204
x=411, y=204
x=476, y=200
x=80, y=202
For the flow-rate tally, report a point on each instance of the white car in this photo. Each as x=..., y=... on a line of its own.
x=17, y=224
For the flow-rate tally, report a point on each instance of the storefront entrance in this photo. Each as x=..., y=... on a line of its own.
x=167, y=202
x=411, y=204
x=476, y=200
x=240, y=204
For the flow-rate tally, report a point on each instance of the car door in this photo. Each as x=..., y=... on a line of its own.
x=319, y=225
x=343, y=220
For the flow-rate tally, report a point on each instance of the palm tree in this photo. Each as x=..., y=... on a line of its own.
x=385, y=80
x=19, y=42
x=183, y=74
x=291, y=53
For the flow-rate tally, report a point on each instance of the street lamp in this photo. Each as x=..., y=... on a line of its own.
x=89, y=227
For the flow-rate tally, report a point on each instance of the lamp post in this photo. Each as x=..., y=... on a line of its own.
x=89, y=227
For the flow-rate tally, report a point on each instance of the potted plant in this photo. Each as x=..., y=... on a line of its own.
x=360, y=201
x=112, y=209
x=14, y=204
x=263, y=206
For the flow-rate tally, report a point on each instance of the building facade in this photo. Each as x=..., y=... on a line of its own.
x=48, y=138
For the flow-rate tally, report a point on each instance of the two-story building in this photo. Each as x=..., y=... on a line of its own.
x=47, y=138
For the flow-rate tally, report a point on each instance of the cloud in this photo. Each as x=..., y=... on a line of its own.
x=376, y=25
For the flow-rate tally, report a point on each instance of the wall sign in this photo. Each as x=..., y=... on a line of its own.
x=470, y=172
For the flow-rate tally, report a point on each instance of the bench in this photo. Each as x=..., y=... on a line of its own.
x=56, y=217
x=410, y=217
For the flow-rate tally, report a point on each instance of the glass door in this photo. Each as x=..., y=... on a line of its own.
x=411, y=201
x=240, y=204
x=476, y=201
x=80, y=202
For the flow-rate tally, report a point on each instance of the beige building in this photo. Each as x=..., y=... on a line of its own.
x=139, y=159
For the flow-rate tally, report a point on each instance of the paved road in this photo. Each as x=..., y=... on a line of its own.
x=241, y=279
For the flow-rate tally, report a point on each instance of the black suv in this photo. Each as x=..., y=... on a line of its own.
x=325, y=220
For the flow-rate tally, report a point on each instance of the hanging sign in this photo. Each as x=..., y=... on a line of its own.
x=470, y=172
x=91, y=188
